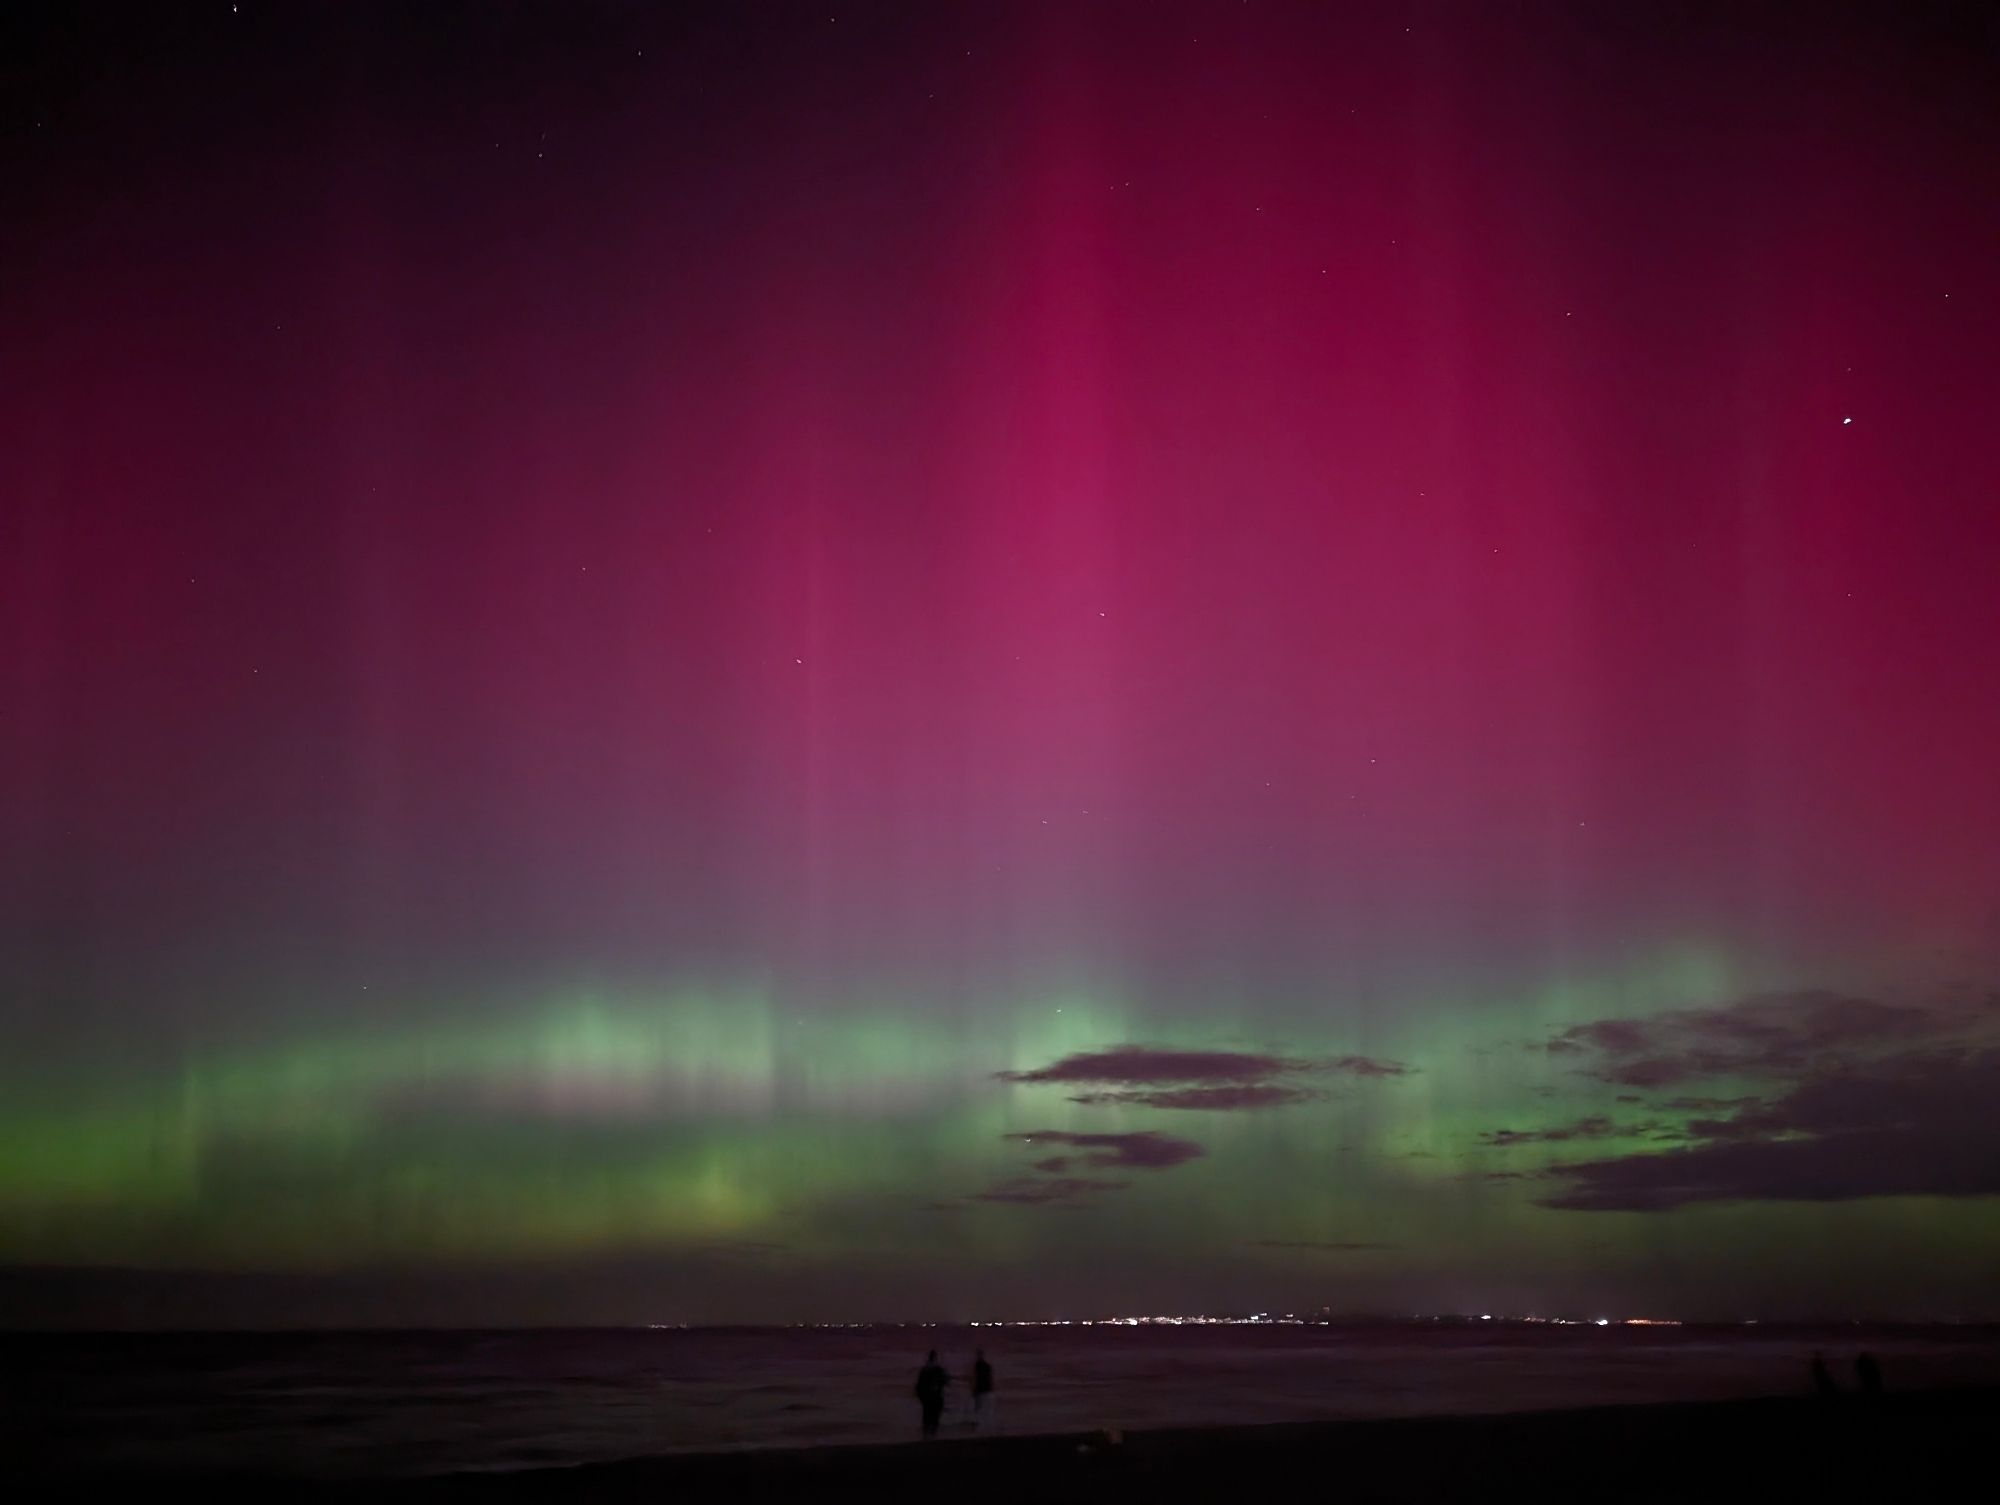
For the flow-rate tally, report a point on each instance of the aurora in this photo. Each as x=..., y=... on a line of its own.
x=1000, y=663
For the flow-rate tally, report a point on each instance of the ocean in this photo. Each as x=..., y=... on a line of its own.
x=402, y=1404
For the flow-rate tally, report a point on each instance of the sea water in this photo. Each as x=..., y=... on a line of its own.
x=413, y=1403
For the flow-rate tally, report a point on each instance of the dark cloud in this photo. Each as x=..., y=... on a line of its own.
x=1618, y=1036
x=1597, y=1126
x=1918, y=1124
x=1148, y=1150
x=1367, y=1066
x=1137, y=1065
x=1701, y=1104
x=1211, y=1099
x=1778, y=1034
x=1837, y=1168
x=1318, y=1247
x=1145, y=1150
x=1654, y=1071
x=1027, y=1191
x=1146, y=1076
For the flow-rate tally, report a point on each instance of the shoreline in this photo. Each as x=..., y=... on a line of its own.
x=1881, y=1449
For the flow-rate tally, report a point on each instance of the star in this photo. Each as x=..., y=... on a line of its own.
x=1845, y=422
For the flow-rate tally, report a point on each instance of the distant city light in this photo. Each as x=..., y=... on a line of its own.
x=1324, y=1317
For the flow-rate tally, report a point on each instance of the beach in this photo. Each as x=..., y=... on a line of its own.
x=1917, y=1446
x=616, y=1413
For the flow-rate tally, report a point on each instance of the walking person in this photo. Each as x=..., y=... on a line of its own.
x=982, y=1392
x=931, y=1380
x=1868, y=1374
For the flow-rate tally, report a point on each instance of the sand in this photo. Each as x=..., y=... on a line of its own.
x=1934, y=1445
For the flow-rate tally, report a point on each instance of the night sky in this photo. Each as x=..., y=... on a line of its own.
x=772, y=662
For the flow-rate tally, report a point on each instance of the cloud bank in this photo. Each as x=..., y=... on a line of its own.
x=1149, y=1076
x=1866, y=1099
x=1052, y=1183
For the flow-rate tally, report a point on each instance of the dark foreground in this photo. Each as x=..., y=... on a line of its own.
x=1929, y=1445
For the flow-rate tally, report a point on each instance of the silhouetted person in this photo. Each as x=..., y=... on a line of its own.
x=1823, y=1385
x=1868, y=1374
x=931, y=1380
x=982, y=1389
